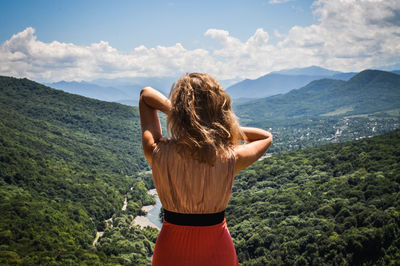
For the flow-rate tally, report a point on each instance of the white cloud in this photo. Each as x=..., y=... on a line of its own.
x=277, y=34
x=350, y=35
x=24, y=55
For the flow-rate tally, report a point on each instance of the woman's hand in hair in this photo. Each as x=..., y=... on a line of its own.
x=253, y=134
x=258, y=140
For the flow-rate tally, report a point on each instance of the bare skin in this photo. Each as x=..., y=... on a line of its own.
x=258, y=140
x=152, y=100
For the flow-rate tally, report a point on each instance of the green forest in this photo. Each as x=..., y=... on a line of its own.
x=337, y=204
x=368, y=92
x=327, y=110
x=67, y=162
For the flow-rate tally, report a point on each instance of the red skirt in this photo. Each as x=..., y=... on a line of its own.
x=194, y=245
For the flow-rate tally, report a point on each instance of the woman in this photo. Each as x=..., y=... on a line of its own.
x=193, y=171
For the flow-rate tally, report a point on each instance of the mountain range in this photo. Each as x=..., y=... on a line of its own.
x=68, y=162
x=121, y=90
x=94, y=91
x=283, y=81
x=126, y=90
x=367, y=92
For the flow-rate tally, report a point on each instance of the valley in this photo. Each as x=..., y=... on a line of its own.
x=71, y=166
x=292, y=134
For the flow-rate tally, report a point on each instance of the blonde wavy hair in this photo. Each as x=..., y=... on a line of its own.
x=201, y=118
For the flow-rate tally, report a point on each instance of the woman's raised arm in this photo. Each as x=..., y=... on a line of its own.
x=150, y=102
x=259, y=141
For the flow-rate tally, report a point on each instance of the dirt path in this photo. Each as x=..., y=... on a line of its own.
x=98, y=235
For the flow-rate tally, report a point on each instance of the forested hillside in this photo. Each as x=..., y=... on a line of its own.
x=328, y=110
x=337, y=204
x=65, y=163
x=368, y=92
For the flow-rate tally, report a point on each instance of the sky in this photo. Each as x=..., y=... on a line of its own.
x=53, y=40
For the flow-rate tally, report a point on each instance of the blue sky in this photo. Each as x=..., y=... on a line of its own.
x=84, y=40
x=128, y=24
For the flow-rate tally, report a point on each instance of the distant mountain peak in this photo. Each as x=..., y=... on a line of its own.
x=308, y=71
x=283, y=81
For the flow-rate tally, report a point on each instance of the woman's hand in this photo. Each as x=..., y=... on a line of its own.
x=150, y=102
x=155, y=99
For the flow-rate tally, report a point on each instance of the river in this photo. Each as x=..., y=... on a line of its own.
x=154, y=214
x=153, y=211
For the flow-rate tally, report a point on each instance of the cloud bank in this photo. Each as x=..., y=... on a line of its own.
x=350, y=35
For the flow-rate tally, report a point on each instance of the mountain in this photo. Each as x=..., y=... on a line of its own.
x=268, y=85
x=94, y=91
x=367, y=92
x=283, y=81
x=162, y=84
x=121, y=90
x=308, y=71
x=65, y=163
x=126, y=90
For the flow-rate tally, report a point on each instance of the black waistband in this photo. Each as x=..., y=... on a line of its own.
x=206, y=219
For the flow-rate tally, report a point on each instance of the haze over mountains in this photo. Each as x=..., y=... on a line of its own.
x=283, y=81
x=126, y=90
x=122, y=90
x=94, y=91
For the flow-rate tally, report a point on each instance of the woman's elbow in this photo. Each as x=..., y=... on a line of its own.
x=269, y=140
x=145, y=91
x=269, y=136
